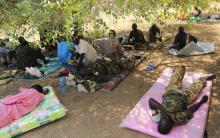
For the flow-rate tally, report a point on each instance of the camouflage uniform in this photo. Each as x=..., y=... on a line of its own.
x=113, y=67
x=176, y=98
x=104, y=68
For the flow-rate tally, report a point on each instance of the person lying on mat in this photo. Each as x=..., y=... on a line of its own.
x=173, y=111
x=182, y=39
x=16, y=106
x=136, y=36
x=88, y=54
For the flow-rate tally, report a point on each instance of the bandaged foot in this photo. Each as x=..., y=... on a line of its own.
x=155, y=115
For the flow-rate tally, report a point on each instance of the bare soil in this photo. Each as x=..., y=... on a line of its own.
x=98, y=114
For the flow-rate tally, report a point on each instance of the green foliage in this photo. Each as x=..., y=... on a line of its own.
x=57, y=17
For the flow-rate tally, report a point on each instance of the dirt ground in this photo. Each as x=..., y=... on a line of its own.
x=98, y=115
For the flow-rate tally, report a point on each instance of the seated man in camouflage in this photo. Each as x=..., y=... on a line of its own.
x=173, y=111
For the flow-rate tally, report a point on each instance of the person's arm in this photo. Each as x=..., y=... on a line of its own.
x=81, y=60
x=130, y=36
x=142, y=37
x=196, y=106
x=156, y=105
x=192, y=38
x=175, y=42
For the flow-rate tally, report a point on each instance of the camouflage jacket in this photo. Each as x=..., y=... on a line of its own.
x=176, y=102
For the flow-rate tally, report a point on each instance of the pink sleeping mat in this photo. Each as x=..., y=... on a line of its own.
x=139, y=119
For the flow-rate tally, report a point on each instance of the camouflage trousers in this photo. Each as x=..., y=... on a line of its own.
x=113, y=67
x=175, y=85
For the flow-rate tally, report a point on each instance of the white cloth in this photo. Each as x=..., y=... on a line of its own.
x=81, y=88
x=156, y=116
x=87, y=49
x=192, y=48
x=33, y=71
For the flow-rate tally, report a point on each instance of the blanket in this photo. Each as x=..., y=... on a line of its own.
x=47, y=69
x=192, y=49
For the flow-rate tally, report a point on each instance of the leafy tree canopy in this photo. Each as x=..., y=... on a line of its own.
x=58, y=16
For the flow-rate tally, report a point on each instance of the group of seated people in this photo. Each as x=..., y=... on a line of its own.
x=136, y=36
x=84, y=51
x=23, y=56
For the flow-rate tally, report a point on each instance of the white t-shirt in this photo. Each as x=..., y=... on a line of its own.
x=87, y=49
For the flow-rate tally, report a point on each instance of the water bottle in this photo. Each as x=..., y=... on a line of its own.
x=62, y=82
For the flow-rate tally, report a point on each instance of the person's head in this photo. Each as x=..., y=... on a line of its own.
x=196, y=8
x=76, y=41
x=154, y=25
x=40, y=89
x=22, y=41
x=165, y=125
x=134, y=26
x=181, y=29
x=112, y=33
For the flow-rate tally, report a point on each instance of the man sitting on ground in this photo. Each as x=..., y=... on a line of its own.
x=154, y=34
x=16, y=106
x=182, y=39
x=136, y=36
x=174, y=109
x=27, y=56
x=111, y=45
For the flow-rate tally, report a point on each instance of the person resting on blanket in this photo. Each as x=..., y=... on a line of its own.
x=174, y=109
x=16, y=106
x=182, y=39
x=88, y=54
x=136, y=36
x=27, y=56
x=154, y=34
